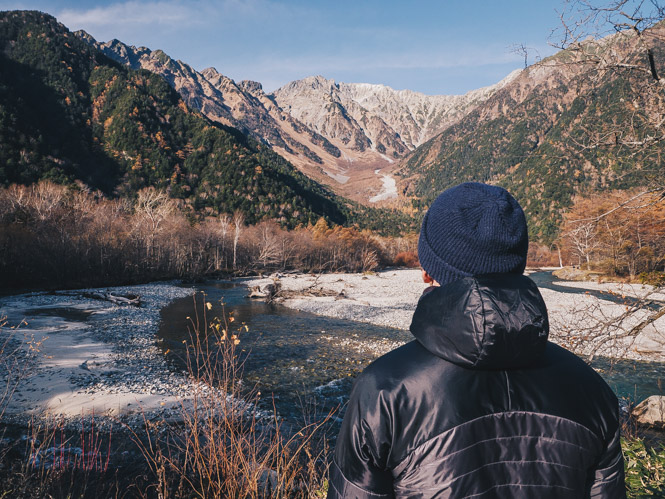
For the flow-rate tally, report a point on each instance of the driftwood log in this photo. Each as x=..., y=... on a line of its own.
x=126, y=299
x=129, y=299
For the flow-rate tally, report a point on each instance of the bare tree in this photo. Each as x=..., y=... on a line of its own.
x=287, y=249
x=238, y=221
x=585, y=20
x=619, y=39
x=523, y=51
x=46, y=197
x=152, y=208
x=268, y=244
x=631, y=327
x=224, y=224
x=583, y=238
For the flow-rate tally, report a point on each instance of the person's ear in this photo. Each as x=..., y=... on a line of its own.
x=427, y=279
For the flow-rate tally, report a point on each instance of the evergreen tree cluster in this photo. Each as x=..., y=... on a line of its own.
x=69, y=114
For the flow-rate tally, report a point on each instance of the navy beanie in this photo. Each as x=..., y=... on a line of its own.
x=473, y=229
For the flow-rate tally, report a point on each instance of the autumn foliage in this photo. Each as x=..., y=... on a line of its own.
x=53, y=237
x=406, y=259
x=618, y=232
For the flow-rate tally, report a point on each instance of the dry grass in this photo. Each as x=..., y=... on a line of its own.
x=226, y=447
x=221, y=445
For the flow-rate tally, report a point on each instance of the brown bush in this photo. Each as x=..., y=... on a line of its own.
x=406, y=259
x=57, y=237
x=541, y=255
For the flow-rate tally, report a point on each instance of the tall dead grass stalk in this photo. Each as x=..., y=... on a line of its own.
x=224, y=445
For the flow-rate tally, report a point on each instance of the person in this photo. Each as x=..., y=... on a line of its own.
x=480, y=404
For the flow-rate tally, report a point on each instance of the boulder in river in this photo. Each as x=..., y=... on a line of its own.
x=651, y=411
x=267, y=291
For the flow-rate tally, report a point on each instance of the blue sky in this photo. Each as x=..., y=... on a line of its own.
x=435, y=47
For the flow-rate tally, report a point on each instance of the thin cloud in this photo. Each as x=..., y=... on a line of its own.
x=277, y=40
x=131, y=13
x=176, y=13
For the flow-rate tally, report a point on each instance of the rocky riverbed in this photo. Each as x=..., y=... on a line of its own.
x=388, y=298
x=73, y=356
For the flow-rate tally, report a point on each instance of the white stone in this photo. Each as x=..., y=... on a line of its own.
x=651, y=411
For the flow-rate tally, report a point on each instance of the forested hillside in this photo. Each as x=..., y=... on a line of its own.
x=584, y=120
x=573, y=124
x=70, y=114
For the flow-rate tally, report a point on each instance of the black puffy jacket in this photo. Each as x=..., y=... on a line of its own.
x=481, y=405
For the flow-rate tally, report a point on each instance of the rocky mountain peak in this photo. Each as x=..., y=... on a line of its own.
x=338, y=133
x=242, y=105
x=317, y=83
x=210, y=72
x=85, y=36
x=389, y=121
x=250, y=86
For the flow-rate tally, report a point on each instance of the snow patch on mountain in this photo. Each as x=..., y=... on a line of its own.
x=389, y=190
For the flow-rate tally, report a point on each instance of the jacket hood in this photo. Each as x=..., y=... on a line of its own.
x=493, y=321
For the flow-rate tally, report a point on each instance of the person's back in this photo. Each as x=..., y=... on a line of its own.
x=480, y=405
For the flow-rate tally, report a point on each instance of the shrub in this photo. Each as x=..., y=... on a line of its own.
x=645, y=468
x=225, y=447
x=406, y=259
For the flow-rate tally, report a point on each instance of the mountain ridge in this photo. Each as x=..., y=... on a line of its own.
x=345, y=154
x=563, y=127
x=414, y=116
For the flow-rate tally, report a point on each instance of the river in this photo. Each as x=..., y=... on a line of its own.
x=303, y=360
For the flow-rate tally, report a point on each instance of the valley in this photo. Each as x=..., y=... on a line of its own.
x=338, y=134
x=128, y=172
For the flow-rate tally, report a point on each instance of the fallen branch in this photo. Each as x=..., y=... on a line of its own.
x=128, y=299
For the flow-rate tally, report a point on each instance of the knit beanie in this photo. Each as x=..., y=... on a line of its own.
x=473, y=229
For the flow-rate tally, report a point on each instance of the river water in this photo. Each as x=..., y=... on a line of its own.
x=304, y=361
x=288, y=353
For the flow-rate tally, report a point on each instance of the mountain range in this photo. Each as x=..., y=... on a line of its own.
x=118, y=118
x=339, y=134
x=70, y=114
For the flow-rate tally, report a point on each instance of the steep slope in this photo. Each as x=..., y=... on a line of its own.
x=570, y=124
x=218, y=97
x=45, y=109
x=246, y=106
x=69, y=113
x=259, y=116
x=350, y=142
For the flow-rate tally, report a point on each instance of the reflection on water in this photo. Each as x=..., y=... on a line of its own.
x=299, y=357
x=293, y=356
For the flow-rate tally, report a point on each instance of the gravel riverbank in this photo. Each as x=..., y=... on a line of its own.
x=79, y=356
x=388, y=298
x=73, y=356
